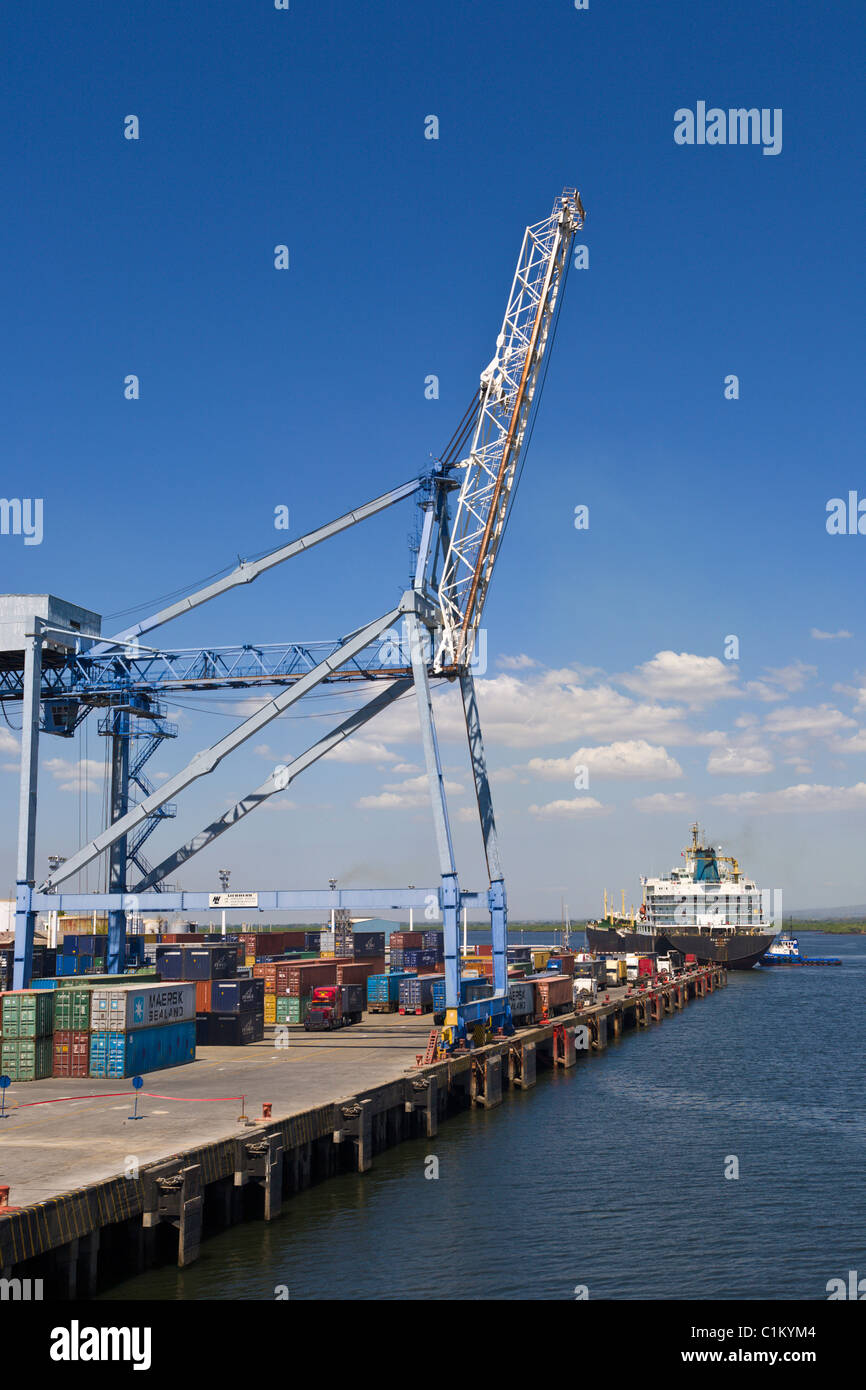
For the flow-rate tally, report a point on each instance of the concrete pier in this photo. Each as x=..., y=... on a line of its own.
x=98, y=1196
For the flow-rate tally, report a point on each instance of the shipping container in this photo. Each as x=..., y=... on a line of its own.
x=360, y=971
x=27, y=1013
x=304, y=977
x=26, y=1059
x=521, y=997
x=123, y=1007
x=269, y=1007
x=236, y=1030
x=553, y=995
x=383, y=991
x=144, y=1050
x=72, y=1010
x=209, y=962
x=71, y=1052
x=291, y=1008
x=237, y=996
x=274, y=976
x=403, y=939
x=169, y=962
x=367, y=945
x=416, y=994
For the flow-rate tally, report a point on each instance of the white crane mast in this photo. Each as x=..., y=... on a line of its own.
x=507, y=388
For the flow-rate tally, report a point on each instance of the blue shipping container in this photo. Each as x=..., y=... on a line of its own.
x=417, y=992
x=385, y=989
x=237, y=996
x=145, y=1050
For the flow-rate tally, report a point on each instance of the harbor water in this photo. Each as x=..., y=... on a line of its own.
x=716, y=1155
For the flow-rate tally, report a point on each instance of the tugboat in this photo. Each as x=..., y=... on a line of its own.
x=705, y=908
x=786, y=951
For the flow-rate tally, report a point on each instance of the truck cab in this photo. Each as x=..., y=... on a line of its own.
x=334, y=1006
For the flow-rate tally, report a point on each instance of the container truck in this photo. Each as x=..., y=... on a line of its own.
x=334, y=1006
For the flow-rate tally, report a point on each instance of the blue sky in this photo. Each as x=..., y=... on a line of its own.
x=306, y=388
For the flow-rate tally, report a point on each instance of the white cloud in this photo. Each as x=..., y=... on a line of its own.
x=86, y=774
x=818, y=720
x=792, y=677
x=414, y=792
x=550, y=708
x=566, y=810
x=630, y=758
x=811, y=797
x=360, y=750
x=684, y=676
x=743, y=760
x=516, y=663
x=828, y=636
x=9, y=743
x=664, y=801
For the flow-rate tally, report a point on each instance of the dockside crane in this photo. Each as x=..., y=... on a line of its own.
x=55, y=662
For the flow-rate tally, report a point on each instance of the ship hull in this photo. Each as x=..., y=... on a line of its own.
x=737, y=952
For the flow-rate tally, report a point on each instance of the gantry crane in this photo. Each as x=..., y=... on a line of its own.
x=60, y=669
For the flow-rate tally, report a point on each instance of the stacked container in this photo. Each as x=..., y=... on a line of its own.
x=71, y=1052
x=141, y=1028
x=26, y=1021
x=228, y=1010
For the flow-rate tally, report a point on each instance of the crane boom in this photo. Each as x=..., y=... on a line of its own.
x=508, y=385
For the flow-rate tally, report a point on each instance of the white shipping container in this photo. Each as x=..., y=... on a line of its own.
x=124, y=1008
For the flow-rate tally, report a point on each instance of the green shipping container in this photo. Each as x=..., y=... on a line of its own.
x=27, y=1059
x=27, y=1013
x=72, y=1010
x=292, y=1008
x=104, y=981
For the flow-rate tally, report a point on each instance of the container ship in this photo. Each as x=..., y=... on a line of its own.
x=706, y=908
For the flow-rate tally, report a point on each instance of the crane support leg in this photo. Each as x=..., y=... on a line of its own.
x=116, y=962
x=418, y=641
x=25, y=917
x=496, y=895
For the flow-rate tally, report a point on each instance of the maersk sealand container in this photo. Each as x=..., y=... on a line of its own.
x=145, y=1050
x=124, y=1007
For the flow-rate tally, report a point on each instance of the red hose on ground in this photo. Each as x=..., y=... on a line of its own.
x=108, y=1095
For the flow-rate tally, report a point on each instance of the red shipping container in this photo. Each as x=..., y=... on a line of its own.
x=567, y=967
x=553, y=994
x=71, y=1052
x=357, y=972
x=407, y=940
x=307, y=975
x=202, y=996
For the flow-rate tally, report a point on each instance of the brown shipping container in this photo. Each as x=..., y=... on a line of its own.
x=71, y=1053
x=275, y=975
x=202, y=996
x=307, y=975
x=273, y=943
x=358, y=971
x=407, y=940
x=567, y=962
x=552, y=993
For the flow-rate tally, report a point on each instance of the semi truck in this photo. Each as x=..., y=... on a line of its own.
x=334, y=1006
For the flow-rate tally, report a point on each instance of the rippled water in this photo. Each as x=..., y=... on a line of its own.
x=611, y=1175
